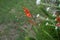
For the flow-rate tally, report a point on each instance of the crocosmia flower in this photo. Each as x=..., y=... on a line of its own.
x=58, y=24
x=27, y=12
x=58, y=19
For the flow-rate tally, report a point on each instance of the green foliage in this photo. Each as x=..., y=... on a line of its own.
x=12, y=16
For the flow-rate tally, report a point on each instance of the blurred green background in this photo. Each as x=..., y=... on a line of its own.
x=12, y=19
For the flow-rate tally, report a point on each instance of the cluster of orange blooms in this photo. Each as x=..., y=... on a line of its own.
x=29, y=15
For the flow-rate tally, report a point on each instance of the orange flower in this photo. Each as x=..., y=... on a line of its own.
x=27, y=12
x=58, y=19
x=58, y=24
